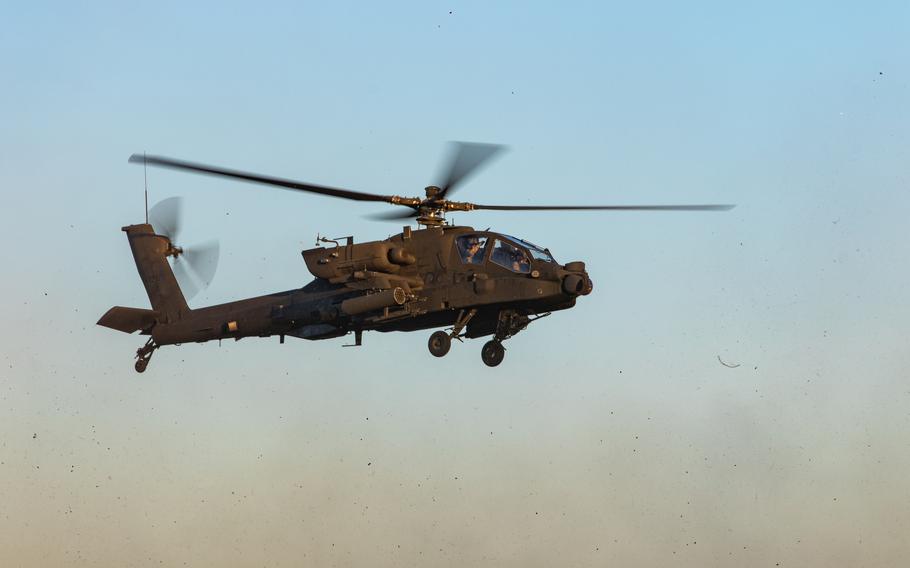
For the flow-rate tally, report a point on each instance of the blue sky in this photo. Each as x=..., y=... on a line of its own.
x=611, y=432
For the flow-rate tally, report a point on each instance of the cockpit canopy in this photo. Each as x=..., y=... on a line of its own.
x=509, y=252
x=536, y=251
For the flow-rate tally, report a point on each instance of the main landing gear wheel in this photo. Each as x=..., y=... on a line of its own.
x=492, y=353
x=439, y=343
x=141, y=364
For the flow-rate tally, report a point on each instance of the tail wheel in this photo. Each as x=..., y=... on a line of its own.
x=492, y=353
x=144, y=353
x=439, y=344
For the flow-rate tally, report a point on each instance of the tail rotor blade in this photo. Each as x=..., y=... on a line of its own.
x=166, y=217
x=202, y=260
x=194, y=267
x=188, y=284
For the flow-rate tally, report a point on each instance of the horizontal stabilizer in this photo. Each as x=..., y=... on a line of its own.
x=128, y=320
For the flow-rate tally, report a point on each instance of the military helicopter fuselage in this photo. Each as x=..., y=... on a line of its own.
x=479, y=283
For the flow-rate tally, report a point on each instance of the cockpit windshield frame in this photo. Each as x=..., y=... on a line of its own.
x=510, y=256
x=537, y=252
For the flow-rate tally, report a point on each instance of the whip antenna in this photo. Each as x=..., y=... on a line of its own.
x=145, y=174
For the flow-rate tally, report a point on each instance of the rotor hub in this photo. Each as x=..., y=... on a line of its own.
x=431, y=215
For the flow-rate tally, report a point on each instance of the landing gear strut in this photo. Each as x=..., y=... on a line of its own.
x=462, y=322
x=508, y=323
x=143, y=354
x=440, y=342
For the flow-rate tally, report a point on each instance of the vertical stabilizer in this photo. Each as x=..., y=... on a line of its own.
x=150, y=252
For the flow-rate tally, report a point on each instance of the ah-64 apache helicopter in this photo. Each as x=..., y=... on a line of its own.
x=474, y=283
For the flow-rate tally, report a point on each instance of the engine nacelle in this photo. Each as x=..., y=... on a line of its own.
x=343, y=260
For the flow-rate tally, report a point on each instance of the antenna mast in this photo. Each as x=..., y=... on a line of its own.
x=145, y=174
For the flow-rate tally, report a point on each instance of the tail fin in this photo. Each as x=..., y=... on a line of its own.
x=150, y=252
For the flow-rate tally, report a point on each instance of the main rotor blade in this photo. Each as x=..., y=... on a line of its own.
x=171, y=163
x=399, y=215
x=605, y=207
x=166, y=216
x=464, y=159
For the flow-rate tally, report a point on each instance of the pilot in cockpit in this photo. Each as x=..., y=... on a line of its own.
x=471, y=249
x=520, y=262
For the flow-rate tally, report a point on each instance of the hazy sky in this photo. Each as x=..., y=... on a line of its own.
x=611, y=434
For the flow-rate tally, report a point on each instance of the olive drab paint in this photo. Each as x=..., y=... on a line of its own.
x=415, y=280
